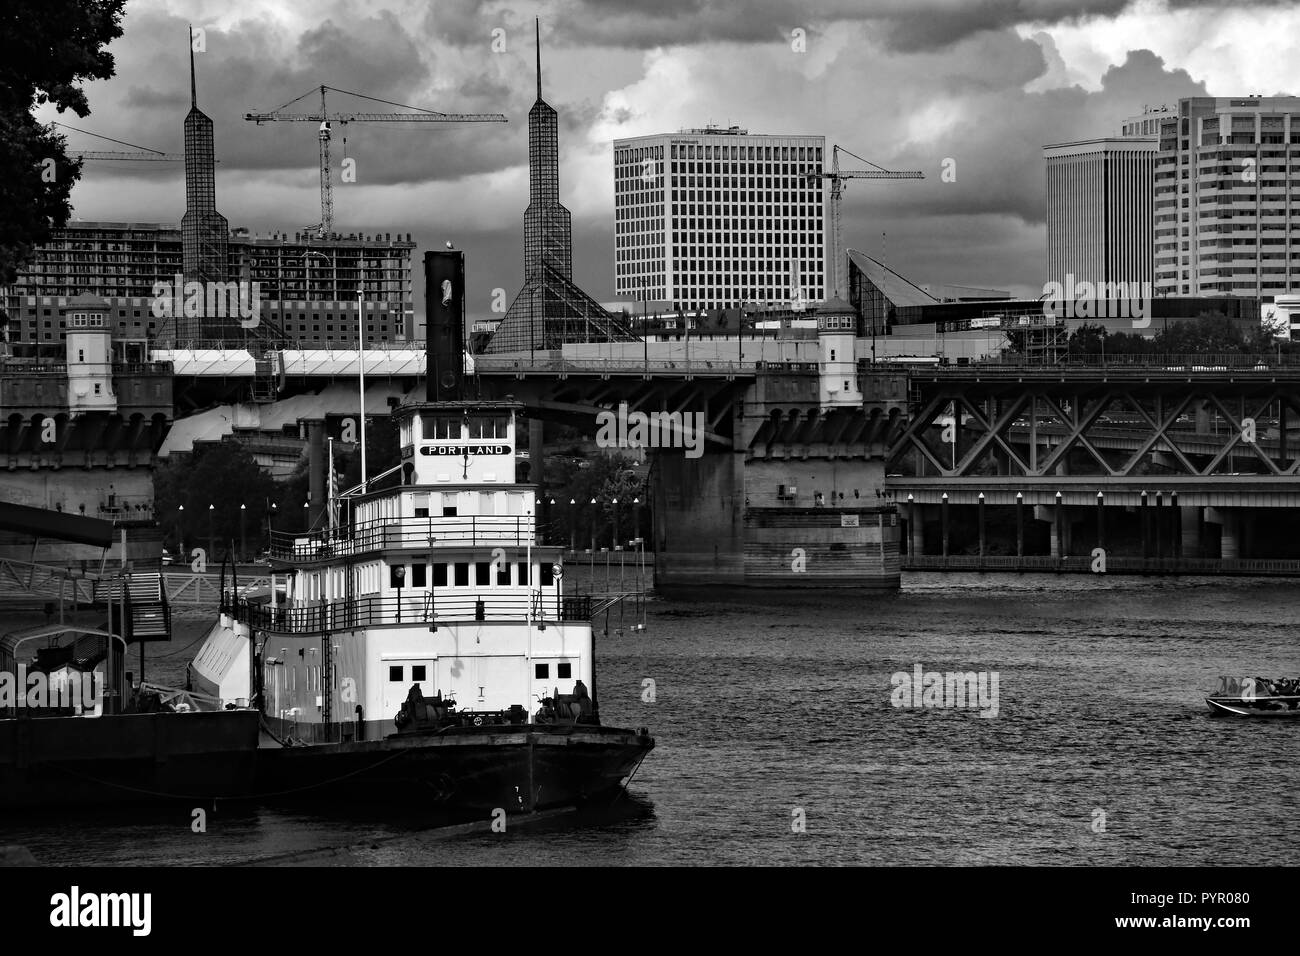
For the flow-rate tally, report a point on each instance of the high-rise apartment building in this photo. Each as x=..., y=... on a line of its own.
x=1099, y=211
x=713, y=218
x=1227, y=197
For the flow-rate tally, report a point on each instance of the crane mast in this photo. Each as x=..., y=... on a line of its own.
x=837, y=177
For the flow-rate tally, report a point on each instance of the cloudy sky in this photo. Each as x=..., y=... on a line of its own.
x=904, y=83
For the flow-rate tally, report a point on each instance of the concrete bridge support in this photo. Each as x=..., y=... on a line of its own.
x=1235, y=525
x=1191, y=519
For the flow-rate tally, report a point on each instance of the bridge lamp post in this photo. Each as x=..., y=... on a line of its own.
x=180, y=532
x=981, y=520
x=306, y=516
x=911, y=523
x=943, y=509
x=1020, y=525
x=1059, y=520
x=243, y=537
x=212, y=538
x=1101, y=521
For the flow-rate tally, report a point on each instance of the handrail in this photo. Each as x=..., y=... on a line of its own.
x=383, y=533
x=415, y=608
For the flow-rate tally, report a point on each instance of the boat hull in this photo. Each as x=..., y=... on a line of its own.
x=59, y=762
x=1241, y=707
x=462, y=772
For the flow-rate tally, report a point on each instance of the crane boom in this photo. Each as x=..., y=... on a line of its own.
x=142, y=155
x=324, y=117
x=260, y=118
x=837, y=177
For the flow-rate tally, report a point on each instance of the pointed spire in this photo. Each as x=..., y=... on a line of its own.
x=194, y=104
x=537, y=26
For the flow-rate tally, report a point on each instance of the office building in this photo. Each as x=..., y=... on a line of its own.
x=713, y=218
x=1099, y=210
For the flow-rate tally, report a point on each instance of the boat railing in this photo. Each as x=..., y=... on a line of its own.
x=386, y=533
x=544, y=605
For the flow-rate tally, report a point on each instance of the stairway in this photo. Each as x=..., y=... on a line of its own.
x=148, y=613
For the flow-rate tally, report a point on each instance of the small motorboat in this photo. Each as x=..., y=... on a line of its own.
x=1256, y=697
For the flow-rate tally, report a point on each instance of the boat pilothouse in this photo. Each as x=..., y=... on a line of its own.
x=437, y=584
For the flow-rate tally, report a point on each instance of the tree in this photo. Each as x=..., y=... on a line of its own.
x=223, y=475
x=47, y=49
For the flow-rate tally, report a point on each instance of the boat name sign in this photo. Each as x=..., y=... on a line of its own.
x=465, y=450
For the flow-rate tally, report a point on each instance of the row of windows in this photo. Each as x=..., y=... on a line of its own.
x=464, y=574
x=420, y=672
x=453, y=427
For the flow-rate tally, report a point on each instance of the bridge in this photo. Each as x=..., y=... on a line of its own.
x=1181, y=459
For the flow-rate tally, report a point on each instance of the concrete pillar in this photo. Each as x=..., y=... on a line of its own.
x=1190, y=518
x=916, y=530
x=1203, y=419
x=1230, y=543
x=316, y=465
x=943, y=518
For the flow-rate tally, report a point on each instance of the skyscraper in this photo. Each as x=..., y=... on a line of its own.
x=1227, y=172
x=550, y=310
x=1099, y=220
x=710, y=218
x=204, y=231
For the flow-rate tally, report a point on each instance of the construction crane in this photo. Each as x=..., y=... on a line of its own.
x=325, y=118
x=138, y=153
x=837, y=177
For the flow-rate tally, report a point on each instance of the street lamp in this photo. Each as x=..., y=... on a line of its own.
x=212, y=540
x=243, y=538
x=180, y=531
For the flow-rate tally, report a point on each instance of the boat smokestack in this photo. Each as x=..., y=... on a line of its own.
x=444, y=295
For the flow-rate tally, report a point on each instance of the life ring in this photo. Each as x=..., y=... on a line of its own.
x=478, y=721
x=182, y=707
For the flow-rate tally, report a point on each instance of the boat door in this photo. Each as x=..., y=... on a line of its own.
x=485, y=683
x=401, y=675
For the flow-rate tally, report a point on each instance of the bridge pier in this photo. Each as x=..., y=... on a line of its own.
x=1192, y=519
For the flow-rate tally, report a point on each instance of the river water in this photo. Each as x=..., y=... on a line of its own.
x=777, y=742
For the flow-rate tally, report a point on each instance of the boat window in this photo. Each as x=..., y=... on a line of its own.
x=487, y=426
x=487, y=503
x=440, y=426
x=462, y=574
x=397, y=575
x=421, y=505
x=440, y=575
x=523, y=572
x=395, y=672
x=449, y=511
x=483, y=573
x=417, y=672
x=541, y=671
x=564, y=670
x=503, y=574
x=418, y=575
x=548, y=578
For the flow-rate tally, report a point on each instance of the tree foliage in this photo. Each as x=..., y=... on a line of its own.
x=223, y=475
x=48, y=48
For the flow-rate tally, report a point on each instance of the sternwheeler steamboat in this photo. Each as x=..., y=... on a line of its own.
x=425, y=649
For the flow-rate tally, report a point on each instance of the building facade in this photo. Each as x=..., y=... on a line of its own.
x=713, y=218
x=308, y=286
x=1227, y=181
x=1099, y=211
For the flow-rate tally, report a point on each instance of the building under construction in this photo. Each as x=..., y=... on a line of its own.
x=307, y=282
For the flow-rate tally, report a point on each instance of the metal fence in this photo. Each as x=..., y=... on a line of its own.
x=1115, y=564
x=402, y=533
x=423, y=608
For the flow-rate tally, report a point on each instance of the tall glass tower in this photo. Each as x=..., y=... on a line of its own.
x=550, y=310
x=205, y=233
